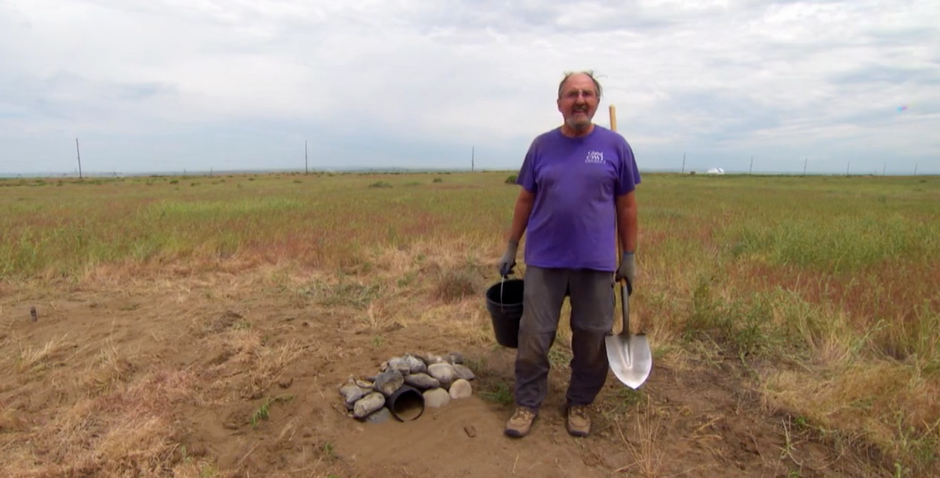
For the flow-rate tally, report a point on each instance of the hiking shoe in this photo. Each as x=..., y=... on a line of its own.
x=520, y=423
x=579, y=422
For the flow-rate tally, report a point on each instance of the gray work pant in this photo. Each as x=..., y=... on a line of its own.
x=592, y=298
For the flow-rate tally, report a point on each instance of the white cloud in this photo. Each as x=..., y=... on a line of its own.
x=157, y=84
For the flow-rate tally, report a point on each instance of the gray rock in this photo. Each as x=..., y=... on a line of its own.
x=464, y=372
x=415, y=365
x=381, y=416
x=436, y=398
x=460, y=389
x=422, y=381
x=431, y=359
x=443, y=372
x=388, y=381
x=364, y=384
x=454, y=358
x=400, y=364
x=352, y=393
x=368, y=404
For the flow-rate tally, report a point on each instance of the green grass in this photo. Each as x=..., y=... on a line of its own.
x=825, y=288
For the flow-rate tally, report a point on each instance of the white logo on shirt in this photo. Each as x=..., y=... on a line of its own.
x=594, y=157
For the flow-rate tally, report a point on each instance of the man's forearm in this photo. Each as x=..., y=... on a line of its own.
x=520, y=216
x=627, y=222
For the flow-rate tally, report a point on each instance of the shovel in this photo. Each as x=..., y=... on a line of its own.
x=629, y=355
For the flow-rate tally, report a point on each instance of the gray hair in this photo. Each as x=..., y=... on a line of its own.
x=589, y=73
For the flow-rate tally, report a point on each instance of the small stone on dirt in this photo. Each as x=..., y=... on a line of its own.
x=422, y=381
x=460, y=389
x=471, y=432
x=436, y=398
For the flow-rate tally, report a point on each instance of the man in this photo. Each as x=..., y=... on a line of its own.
x=578, y=184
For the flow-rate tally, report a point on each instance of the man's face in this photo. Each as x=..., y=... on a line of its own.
x=578, y=101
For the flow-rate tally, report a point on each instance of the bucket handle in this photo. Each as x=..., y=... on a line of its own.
x=502, y=280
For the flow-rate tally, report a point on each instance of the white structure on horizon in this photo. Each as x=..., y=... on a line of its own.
x=716, y=171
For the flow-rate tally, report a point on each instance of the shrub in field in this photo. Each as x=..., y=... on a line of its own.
x=454, y=284
x=511, y=179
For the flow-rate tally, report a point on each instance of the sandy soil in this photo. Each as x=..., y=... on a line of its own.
x=163, y=379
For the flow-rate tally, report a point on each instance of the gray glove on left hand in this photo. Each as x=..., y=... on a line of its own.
x=627, y=270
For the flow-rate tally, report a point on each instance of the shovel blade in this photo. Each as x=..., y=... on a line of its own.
x=629, y=358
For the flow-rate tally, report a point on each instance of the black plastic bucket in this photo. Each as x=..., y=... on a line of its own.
x=504, y=303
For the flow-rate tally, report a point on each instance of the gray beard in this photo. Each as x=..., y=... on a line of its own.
x=579, y=126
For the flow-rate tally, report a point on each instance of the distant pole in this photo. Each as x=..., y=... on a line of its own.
x=751, y=170
x=884, y=169
x=79, y=153
x=915, y=168
x=306, y=167
x=804, y=165
x=683, y=163
x=472, y=158
x=847, y=168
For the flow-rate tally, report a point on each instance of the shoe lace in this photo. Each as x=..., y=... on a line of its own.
x=522, y=413
x=579, y=411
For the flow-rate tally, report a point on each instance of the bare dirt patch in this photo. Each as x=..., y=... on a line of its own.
x=233, y=375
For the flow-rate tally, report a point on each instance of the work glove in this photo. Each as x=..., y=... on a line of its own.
x=508, y=261
x=627, y=270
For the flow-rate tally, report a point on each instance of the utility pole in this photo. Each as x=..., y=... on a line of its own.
x=847, y=168
x=751, y=170
x=885, y=169
x=306, y=168
x=79, y=153
x=472, y=158
x=683, y=163
x=915, y=167
x=804, y=165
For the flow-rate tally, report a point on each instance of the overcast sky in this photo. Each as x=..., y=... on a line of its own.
x=168, y=85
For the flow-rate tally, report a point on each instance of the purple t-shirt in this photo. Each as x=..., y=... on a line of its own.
x=576, y=182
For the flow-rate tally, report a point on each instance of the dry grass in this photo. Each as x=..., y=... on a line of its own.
x=825, y=288
x=130, y=431
x=647, y=450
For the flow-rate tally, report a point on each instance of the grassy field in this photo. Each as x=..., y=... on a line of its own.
x=825, y=289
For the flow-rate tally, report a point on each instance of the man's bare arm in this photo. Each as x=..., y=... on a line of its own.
x=627, y=222
x=520, y=216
